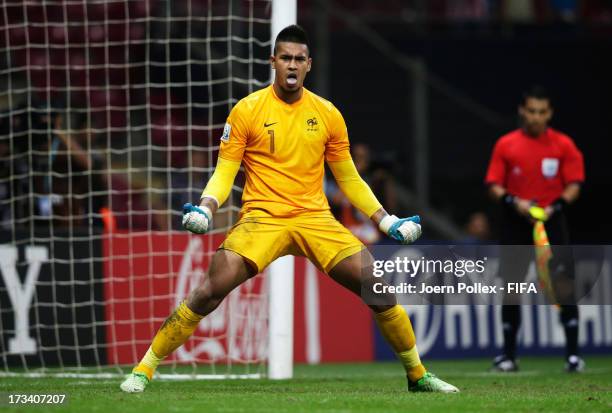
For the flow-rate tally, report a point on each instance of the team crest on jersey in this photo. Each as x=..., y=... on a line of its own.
x=550, y=167
x=312, y=125
x=226, y=133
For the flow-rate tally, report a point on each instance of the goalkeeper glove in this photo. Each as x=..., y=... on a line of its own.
x=404, y=230
x=196, y=219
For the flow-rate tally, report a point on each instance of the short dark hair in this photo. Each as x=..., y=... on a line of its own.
x=292, y=34
x=536, y=92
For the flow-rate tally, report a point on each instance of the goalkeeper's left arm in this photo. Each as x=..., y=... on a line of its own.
x=197, y=218
x=404, y=230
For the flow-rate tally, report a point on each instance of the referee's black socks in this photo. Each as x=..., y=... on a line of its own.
x=569, y=320
x=511, y=322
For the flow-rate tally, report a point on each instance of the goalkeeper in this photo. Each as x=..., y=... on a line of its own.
x=281, y=135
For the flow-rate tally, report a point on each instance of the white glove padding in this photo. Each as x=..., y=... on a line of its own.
x=404, y=230
x=196, y=219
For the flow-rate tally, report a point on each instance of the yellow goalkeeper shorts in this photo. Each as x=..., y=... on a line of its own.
x=261, y=238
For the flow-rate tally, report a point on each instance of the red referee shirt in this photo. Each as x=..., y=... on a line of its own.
x=535, y=168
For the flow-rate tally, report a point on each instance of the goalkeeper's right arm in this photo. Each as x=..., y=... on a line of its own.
x=197, y=219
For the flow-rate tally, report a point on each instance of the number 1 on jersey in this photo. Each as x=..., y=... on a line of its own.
x=271, y=133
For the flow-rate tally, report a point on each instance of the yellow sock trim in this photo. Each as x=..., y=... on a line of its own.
x=388, y=314
x=186, y=313
x=175, y=331
x=412, y=363
x=148, y=364
x=410, y=358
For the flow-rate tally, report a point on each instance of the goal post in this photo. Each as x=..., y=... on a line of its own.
x=110, y=117
x=281, y=272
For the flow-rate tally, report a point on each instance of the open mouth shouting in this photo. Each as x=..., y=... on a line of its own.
x=292, y=79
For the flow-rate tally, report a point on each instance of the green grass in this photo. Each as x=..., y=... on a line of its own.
x=541, y=386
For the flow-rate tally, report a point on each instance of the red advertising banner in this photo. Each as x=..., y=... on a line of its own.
x=147, y=274
x=331, y=324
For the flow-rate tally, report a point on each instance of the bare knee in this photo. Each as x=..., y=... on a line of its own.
x=357, y=275
x=352, y=271
x=227, y=271
x=205, y=298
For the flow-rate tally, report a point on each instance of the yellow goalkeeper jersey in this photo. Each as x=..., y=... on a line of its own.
x=282, y=148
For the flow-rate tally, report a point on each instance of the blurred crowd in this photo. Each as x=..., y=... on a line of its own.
x=379, y=176
x=95, y=130
x=502, y=11
x=136, y=140
x=57, y=172
x=524, y=11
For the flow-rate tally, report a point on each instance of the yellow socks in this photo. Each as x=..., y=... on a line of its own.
x=148, y=364
x=412, y=363
x=394, y=325
x=396, y=328
x=172, y=334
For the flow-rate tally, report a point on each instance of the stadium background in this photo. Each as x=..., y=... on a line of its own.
x=477, y=65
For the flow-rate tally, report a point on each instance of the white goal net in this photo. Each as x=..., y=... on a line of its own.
x=110, y=118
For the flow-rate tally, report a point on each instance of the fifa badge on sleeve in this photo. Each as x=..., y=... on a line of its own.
x=226, y=133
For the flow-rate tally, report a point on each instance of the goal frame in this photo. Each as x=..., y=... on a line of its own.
x=281, y=271
x=280, y=284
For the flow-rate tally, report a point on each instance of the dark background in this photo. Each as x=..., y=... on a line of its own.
x=158, y=98
x=67, y=308
x=491, y=65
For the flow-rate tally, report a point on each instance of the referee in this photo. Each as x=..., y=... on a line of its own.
x=535, y=165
